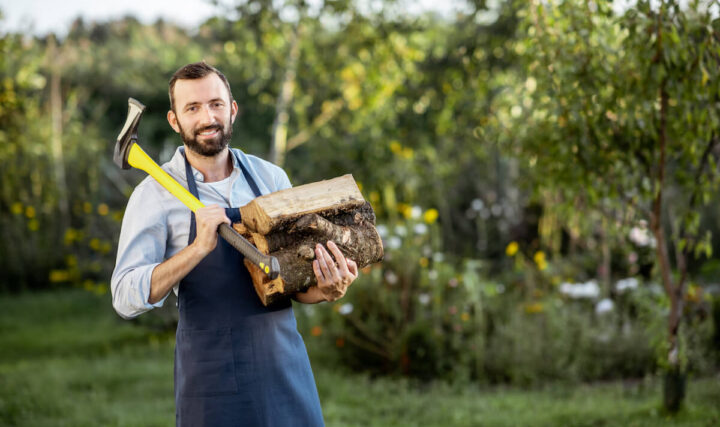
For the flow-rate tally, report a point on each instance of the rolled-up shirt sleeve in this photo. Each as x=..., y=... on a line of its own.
x=140, y=249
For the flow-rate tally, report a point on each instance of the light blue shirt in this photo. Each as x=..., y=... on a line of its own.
x=156, y=225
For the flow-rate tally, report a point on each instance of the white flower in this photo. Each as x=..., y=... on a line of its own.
x=438, y=257
x=424, y=299
x=393, y=242
x=477, y=205
x=604, y=306
x=588, y=289
x=391, y=277
x=400, y=230
x=624, y=284
x=641, y=236
x=420, y=229
x=345, y=309
x=416, y=212
x=382, y=230
x=432, y=275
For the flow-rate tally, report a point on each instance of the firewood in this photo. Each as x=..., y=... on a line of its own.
x=289, y=224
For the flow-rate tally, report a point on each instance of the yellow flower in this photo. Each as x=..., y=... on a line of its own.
x=30, y=212
x=539, y=259
x=105, y=248
x=395, y=147
x=534, y=308
x=100, y=288
x=71, y=260
x=17, y=208
x=430, y=215
x=374, y=197
x=87, y=207
x=511, y=248
x=423, y=262
x=407, y=153
x=70, y=235
x=465, y=317
x=103, y=209
x=33, y=225
x=59, y=276
x=95, y=244
x=405, y=210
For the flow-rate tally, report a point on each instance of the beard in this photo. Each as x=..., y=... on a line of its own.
x=208, y=147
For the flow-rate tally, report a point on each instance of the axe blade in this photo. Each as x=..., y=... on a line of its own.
x=128, y=134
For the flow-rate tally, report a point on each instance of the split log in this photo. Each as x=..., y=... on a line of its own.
x=289, y=223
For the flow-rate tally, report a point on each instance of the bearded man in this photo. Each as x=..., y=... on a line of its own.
x=237, y=362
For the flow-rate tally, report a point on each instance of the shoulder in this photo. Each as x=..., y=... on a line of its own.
x=150, y=198
x=265, y=170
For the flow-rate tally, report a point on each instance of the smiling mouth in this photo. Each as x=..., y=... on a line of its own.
x=209, y=132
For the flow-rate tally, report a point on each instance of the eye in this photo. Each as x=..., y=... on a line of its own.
x=218, y=105
x=192, y=108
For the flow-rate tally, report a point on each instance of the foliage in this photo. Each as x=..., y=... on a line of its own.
x=508, y=151
x=424, y=316
x=92, y=368
x=618, y=114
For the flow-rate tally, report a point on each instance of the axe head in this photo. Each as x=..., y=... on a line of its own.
x=128, y=134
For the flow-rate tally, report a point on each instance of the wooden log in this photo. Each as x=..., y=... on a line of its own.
x=272, y=211
x=314, y=213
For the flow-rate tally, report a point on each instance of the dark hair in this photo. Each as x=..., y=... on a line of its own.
x=196, y=70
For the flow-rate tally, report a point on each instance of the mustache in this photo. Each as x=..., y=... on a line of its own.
x=211, y=127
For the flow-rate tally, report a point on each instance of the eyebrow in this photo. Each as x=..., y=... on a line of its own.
x=190, y=104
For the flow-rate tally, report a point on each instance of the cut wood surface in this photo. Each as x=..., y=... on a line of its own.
x=271, y=211
x=289, y=223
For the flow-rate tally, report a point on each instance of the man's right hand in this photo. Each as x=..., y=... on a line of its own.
x=207, y=221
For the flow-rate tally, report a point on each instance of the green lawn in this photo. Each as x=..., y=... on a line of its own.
x=67, y=359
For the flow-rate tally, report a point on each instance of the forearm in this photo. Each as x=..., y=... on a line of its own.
x=312, y=296
x=172, y=270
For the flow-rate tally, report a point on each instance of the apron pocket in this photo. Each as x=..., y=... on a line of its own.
x=206, y=363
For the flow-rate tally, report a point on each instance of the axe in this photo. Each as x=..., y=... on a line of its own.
x=129, y=154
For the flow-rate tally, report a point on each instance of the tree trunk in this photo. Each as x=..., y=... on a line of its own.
x=674, y=387
x=278, y=147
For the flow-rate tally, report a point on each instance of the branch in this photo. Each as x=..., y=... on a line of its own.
x=325, y=116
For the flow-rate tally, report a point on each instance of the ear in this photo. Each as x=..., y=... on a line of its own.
x=233, y=111
x=172, y=119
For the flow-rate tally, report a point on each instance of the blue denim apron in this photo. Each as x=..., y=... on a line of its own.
x=237, y=362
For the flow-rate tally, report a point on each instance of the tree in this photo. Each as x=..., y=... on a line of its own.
x=619, y=114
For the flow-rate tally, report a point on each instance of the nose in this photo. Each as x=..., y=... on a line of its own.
x=207, y=117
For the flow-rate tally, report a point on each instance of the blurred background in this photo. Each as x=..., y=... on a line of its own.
x=544, y=175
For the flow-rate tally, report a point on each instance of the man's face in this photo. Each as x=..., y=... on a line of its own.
x=203, y=114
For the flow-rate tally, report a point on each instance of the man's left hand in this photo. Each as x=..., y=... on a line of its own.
x=334, y=276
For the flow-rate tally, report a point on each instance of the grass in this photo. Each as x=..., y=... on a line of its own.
x=67, y=359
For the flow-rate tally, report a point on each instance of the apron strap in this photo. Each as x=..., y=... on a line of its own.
x=232, y=213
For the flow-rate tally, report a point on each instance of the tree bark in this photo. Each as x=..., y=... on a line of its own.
x=290, y=223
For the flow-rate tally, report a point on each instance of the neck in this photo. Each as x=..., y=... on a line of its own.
x=214, y=168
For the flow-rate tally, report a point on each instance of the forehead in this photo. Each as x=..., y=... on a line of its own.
x=202, y=90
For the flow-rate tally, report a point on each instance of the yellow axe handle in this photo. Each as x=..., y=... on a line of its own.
x=137, y=158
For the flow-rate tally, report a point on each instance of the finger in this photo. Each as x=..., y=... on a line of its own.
x=332, y=266
x=339, y=257
x=318, y=272
x=352, y=267
x=322, y=261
